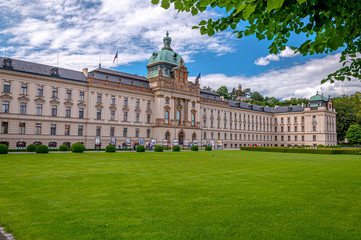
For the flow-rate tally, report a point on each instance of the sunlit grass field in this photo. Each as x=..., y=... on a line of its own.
x=181, y=195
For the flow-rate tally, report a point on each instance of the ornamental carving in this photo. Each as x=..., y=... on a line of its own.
x=54, y=102
x=23, y=99
x=81, y=104
x=68, y=103
x=39, y=101
x=113, y=108
x=179, y=107
x=99, y=106
x=125, y=109
x=166, y=108
x=149, y=111
x=6, y=97
x=137, y=110
x=194, y=111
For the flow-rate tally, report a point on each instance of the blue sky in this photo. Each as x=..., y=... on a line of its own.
x=84, y=31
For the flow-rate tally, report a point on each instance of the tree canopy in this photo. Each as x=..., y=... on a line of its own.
x=328, y=25
x=353, y=134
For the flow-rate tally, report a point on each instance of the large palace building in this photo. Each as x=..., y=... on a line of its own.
x=52, y=106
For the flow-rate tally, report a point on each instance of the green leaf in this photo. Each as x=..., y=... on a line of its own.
x=155, y=2
x=211, y=32
x=301, y=1
x=203, y=22
x=204, y=3
x=335, y=42
x=194, y=11
x=195, y=27
x=248, y=11
x=165, y=4
x=241, y=7
x=274, y=4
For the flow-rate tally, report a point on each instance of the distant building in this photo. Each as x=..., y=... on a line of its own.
x=47, y=105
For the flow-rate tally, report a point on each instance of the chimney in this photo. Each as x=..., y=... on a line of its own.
x=85, y=72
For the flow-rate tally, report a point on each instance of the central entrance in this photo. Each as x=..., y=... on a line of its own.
x=181, y=138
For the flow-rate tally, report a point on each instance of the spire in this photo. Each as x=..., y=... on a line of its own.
x=167, y=41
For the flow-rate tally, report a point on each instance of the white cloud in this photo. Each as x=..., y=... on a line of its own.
x=297, y=81
x=287, y=53
x=39, y=29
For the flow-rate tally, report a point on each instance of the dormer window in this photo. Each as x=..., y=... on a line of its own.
x=175, y=56
x=154, y=54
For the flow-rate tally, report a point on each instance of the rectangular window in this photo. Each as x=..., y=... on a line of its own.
x=219, y=135
x=97, y=132
x=137, y=103
x=166, y=117
x=295, y=138
x=281, y=120
x=68, y=112
x=54, y=93
x=7, y=87
x=225, y=125
x=289, y=138
x=99, y=114
x=81, y=96
x=225, y=135
x=39, y=109
x=295, y=119
x=112, y=115
x=303, y=138
x=137, y=132
x=81, y=112
x=37, y=128
x=40, y=91
x=6, y=106
x=275, y=138
x=137, y=117
x=314, y=128
x=211, y=123
x=275, y=129
x=67, y=130
x=313, y=118
x=281, y=129
x=295, y=128
x=303, y=128
x=314, y=137
x=21, y=128
x=148, y=118
x=148, y=104
x=22, y=108
x=112, y=131
x=99, y=98
x=54, y=110
x=80, y=130
x=148, y=133
x=281, y=138
x=125, y=101
x=24, y=89
x=125, y=116
x=112, y=100
x=4, y=127
x=288, y=119
x=289, y=129
x=211, y=135
x=204, y=122
x=68, y=94
x=125, y=132
x=53, y=129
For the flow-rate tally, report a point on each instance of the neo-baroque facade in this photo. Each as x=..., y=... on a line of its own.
x=48, y=105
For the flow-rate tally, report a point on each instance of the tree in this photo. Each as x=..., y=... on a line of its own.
x=256, y=96
x=329, y=25
x=353, y=134
x=223, y=91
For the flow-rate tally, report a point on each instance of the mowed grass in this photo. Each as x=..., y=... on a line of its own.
x=181, y=195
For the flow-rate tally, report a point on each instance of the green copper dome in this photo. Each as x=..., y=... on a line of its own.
x=163, y=59
x=318, y=97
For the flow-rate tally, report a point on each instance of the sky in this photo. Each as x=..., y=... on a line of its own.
x=79, y=34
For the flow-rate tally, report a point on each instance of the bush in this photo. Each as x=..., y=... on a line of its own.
x=208, y=148
x=176, y=148
x=63, y=148
x=110, y=148
x=4, y=149
x=158, y=148
x=77, y=148
x=321, y=146
x=356, y=151
x=31, y=148
x=140, y=148
x=42, y=149
x=194, y=148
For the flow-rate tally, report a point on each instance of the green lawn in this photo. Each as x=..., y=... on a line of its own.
x=181, y=195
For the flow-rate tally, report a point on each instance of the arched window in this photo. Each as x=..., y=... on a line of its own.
x=193, y=119
x=181, y=138
x=167, y=136
x=52, y=145
x=68, y=144
x=20, y=145
x=178, y=116
x=37, y=143
x=194, y=136
x=5, y=143
x=166, y=117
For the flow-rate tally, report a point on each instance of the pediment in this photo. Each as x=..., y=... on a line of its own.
x=149, y=111
x=6, y=97
x=54, y=102
x=39, y=101
x=166, y=108
x=81, y=105
x=193, y=111
x=137, y=110
x=99, y=106
x=113, y=108
x=179, y=107
x=68, y=103
x=125, y=109
x=23, y=99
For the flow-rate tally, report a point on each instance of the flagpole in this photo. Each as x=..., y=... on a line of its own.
x=116, y=68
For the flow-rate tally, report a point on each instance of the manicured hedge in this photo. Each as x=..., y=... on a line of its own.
x=63, y=148
x=77, y=148
x=158, y=148
x=140, y=148
x=208, y=148
x=42, y=149
x=176, y=148
x=4, y=149
x=110, y=148
x=356, y=151
x=31, y=148
x=194, y=148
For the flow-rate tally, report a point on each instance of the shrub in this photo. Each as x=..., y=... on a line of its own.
x=321, y=146
x=42, y=149
x=110, y=148
x=356, y=151
x=77, y=148
x=31, y=148
x=194, y=148
x=4, y=149
x=63, y=148
x=140, y=148
x=158, y=148
x=208, y=148
x=176, y=148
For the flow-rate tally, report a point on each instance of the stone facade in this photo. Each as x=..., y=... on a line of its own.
x=52, y=106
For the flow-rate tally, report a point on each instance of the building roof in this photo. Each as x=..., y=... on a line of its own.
x=114, y=76
x=318, y=97
x=43, y=70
